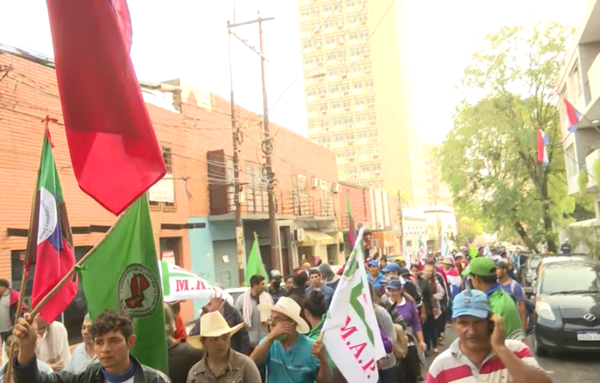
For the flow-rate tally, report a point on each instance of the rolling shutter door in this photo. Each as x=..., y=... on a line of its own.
x=226, y=273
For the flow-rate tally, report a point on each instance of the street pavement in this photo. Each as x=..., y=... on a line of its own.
x=577, y=367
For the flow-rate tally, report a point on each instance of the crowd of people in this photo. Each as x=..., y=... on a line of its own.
x=272, y=333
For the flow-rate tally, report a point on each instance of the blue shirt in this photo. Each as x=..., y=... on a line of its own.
x=514, y=290
x=80, y=360
x=297, y=365
x=377, y=282
x=327, y=292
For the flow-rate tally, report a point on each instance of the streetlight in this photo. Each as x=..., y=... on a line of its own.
x=309, y=77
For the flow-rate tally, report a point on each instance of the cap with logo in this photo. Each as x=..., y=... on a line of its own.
x=373, y=262
x=471, y=303
x=481, y=267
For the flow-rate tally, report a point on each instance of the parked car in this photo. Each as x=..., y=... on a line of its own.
x=544, y=259
x=567, y=305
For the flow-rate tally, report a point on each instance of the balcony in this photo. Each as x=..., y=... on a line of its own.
x=590, y=166
x=573, y=185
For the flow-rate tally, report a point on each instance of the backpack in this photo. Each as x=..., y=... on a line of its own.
x=512, y=290
x=400, y=343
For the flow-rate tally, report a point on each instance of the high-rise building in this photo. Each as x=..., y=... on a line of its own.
x=437, y=192
x=358, y=92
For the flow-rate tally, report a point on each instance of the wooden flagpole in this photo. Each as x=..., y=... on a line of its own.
x=60, y=284
x=26, y=266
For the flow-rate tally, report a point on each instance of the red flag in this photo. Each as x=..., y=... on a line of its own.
x=50, y=244
x=114, y=151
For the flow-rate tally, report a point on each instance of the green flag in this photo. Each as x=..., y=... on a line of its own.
x=123, y=274
x=254, y=265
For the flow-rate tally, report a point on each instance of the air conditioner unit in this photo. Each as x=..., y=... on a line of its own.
x=349, y=143
x=346, y=93
x=315, y=182
x=373, y=122
x=367, y=72
x=371, y=106
x=335, y=188
x=346, y=109
x=375, y=156
x=299, y=235
x=351, y=159
x=377, y=174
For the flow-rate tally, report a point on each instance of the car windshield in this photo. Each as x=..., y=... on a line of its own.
x=570, y=279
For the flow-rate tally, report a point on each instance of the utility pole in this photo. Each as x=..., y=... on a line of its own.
x=268, y=145
x=235, y=135
x=269, y=158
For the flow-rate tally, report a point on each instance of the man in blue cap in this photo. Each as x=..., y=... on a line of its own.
x=481, y=353
x=375, y=277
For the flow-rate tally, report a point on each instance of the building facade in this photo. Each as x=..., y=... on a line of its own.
x=437, y=192
x=440, y=222
x=192, y=208
x=358, y=92
x=579, y=83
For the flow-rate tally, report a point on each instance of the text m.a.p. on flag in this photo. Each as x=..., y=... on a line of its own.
x=50, y=245
x=542, y=147
x=113, y=147
x=348, y=332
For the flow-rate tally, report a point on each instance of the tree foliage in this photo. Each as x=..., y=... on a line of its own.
x=489, y=158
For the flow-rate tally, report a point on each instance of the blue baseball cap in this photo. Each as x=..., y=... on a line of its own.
x=471, y=303
x=391, y=267
x=373, y=263
x=395, y=284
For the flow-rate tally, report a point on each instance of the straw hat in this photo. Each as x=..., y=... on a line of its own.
x=447, y=261
x=291, y=309
x=212, y=325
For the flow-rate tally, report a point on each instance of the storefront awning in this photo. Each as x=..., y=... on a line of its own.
x=313, y=238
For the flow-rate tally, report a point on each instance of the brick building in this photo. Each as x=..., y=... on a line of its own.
x=192, y=208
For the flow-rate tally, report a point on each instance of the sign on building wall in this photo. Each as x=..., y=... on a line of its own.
x=163, y=190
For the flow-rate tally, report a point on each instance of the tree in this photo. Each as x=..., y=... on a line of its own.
x=468, y=229
x=489, y=158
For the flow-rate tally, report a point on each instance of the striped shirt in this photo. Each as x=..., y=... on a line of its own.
x=451, y=366
x=384, y=320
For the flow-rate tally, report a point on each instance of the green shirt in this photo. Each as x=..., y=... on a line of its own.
x=314, y=334
x=502, y=304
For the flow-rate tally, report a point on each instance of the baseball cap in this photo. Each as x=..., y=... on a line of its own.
x=403, y=271
x=373, y=263
x=275, y=274
x=399, y=258
x=471, y=303
x=395, y=284
x=392, y=267
x=481, y=267
x=501, y=265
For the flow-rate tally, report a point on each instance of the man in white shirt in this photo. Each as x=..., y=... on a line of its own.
x=83, y=354
x=52, y=346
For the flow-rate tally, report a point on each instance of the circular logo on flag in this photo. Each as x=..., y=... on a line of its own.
x=139, y=291
x=48, y=215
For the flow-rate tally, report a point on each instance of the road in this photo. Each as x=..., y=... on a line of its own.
x=580, y=368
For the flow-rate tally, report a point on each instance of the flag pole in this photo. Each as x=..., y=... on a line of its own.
x=26, y=266
x=72, y=272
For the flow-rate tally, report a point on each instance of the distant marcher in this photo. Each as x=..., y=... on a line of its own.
x=275, y=289
x=9, y=299
x=247, y=304
x=84, y=354
x=52, y=346
x=8, y=340
x=317, y=284
x=180, y=330
x=329, y=278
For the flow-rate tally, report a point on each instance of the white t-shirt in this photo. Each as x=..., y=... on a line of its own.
x=54, y=345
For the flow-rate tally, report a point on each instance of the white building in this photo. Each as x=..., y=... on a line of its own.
x=579, y=83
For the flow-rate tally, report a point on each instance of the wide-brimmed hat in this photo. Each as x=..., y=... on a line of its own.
x=212, y=325
x=289, y=308
x=447, y=261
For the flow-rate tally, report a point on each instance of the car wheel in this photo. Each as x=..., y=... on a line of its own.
x=538, y=350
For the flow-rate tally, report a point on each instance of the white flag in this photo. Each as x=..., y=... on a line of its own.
x=350, y=334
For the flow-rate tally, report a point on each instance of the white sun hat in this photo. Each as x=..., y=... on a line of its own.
x=289, y=308
x=212, y=325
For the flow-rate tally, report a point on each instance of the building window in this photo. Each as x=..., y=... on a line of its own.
x=326, y=200
x=571, y=162
x=374, y=153
x=346, y=89
x=348, y=121
x=257, y=200
x=326, y=140
x=300, y=195
x=351, y=154
x=373, y=135
x=311, y=93
x=350, y=137
x=370, y=100
x=347, y=105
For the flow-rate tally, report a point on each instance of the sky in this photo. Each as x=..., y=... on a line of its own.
x=188, y=39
